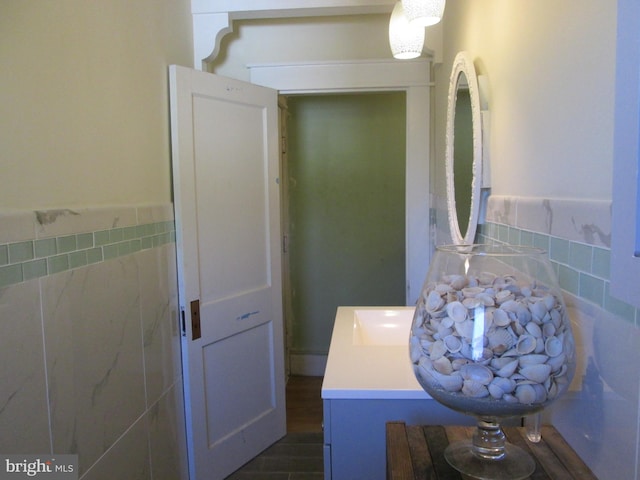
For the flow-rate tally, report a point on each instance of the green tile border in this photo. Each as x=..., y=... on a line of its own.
x=26, y=260
x=582, y=269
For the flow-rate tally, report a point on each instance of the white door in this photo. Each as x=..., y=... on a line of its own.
x=224, y=137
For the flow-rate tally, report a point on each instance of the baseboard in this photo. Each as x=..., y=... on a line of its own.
x=311, y=365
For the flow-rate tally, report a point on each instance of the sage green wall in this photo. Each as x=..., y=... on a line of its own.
x=347, y=208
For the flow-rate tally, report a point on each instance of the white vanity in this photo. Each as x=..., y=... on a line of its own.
x=368, y=382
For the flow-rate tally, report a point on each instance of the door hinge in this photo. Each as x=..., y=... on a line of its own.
x=195, y=320
x=183, y=323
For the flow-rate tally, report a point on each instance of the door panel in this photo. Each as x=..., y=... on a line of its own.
x=225, y=164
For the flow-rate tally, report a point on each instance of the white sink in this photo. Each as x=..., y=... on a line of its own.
x=382, y=327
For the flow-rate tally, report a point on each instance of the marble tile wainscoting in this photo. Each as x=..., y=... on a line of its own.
x=600, y=414
x=89, y=340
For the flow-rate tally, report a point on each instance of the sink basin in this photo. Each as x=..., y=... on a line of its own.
x=382, y=327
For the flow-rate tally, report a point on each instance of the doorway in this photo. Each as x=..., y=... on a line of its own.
x=344, y=178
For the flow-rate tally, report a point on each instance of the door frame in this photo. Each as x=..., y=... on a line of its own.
x=412, y=77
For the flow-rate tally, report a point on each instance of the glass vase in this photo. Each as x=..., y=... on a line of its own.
x=491, y=338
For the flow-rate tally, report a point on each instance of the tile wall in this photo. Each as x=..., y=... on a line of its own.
x=600, y=414
x=89, y=340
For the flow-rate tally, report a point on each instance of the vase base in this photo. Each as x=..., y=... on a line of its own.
x=516, y=464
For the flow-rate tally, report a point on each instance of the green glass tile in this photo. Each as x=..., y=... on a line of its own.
x=618, y=307
x=541, y=241
x=66, y=244
x=502, y=233
x=129, y=233
x=136, y=245
x=526, y=238
x=141, y=231
x=56, y=264
x=4, y=254
x=101, y=238
x=110, y=251
x=78, y=259
x=173, y=237
x=10, y=275
x=514, y=236
x=45, y=247
x=116, y=235
x=559, y=250
x=147, y=242
x=124, y=248
x=34, y=269
x=601, y=263
x=580, y=256
x=94, y=255
x=569, y=279
x=592, y=289
x=85, y=240
x=20, y=252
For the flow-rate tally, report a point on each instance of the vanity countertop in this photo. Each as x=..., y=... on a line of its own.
x=369, y=355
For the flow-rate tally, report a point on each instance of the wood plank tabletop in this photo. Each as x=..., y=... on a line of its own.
x=417, y=452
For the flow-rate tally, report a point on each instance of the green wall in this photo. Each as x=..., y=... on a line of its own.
x=347, y=208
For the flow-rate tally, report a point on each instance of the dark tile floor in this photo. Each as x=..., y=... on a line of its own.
x=298, y=456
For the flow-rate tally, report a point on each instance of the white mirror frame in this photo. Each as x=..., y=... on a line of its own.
x=463, y=63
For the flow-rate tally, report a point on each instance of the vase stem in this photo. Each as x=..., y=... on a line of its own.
x=489, y=440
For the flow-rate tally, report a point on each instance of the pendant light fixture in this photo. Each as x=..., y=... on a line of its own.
x=406, y=39
x=424, y=12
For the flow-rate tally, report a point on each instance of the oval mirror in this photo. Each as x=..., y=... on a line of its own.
x=463, y=151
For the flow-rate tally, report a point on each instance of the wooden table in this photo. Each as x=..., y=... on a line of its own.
x=417, y=452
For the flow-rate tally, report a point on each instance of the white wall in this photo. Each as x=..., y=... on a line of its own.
x=551, y=68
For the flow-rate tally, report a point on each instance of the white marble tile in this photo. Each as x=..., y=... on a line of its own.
x=155, y=213
x=501, y=209
x=58, y=222
x=17, y=226
x=94, y=356
x=24, y=420
x=586, y=221
x=128, y=459
x=167, y=441
x=159, y=313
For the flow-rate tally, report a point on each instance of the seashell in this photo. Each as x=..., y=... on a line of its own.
x=549, y=301
x=525, y=394
x=437, y=350
x=525, y=344
x=510, y=398
x=504, y=296
x=500, y=340
x=522, y=314
x=478, y=373
x=539, y=345
x=553, y=346
x=415, y=349
x=548, y=329
x=453, y=343
x=538, y=309
x=457, y=311
x=472, y=302
x=472, y=291
x=533, y=329
x=532, y=359
x=475, y=389
x=557, y=362
x=541, y=393
x=536, y=373
x=486, y=298
x=443, y=365
x=465, y=329
x=508, y=369
x=509, y=304
x=443, y=288
x=434, y=302
x=425, y=371
x=457, y=282
x=556, y=318
x=458, y=363
x=486, y=278
x=507, y=385
x=501, y=318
